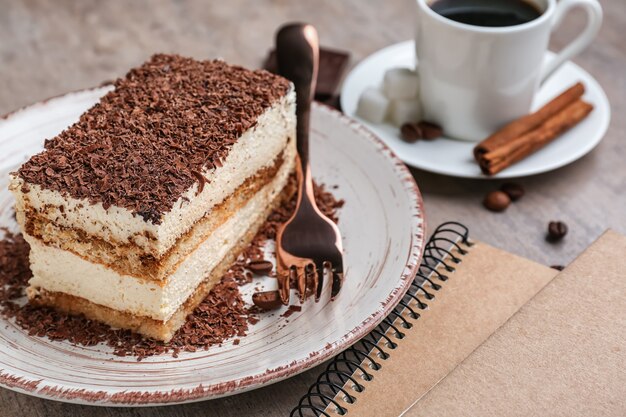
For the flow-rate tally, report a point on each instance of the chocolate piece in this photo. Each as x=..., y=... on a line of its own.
x=496, y=201
x=410, y=132
x=146, y=142
x=429, y=130
x=267, y=300
x=14, y=266
x=292, y=309
x=514, y=190
x=332, y=65
x=556, y=231
x=260, y=267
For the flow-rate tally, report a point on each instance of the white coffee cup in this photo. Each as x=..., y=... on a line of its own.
x=475, y=79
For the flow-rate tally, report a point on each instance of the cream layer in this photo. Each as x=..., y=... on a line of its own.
x=57, y=270
x=255, y=149
x=131, y=260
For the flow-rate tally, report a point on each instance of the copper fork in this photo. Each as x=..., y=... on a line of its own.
x=309, y=243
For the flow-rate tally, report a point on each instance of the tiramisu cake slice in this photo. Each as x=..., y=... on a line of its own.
x=135, y=212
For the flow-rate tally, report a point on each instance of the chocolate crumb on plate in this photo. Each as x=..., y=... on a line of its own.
x=14, y=267
x=292, y=309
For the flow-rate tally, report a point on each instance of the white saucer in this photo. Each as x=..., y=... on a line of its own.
x=453, y=157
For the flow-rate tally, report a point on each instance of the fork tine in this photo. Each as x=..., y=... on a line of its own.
x=311, y=283
x=319, y=280
x=337, y=272
x=302, y=281
x=284, y=282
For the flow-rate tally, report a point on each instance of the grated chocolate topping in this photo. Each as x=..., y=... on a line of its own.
x=147, y=141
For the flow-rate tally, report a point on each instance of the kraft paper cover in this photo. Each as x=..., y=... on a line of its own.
x=562, y=354
x=487, y=288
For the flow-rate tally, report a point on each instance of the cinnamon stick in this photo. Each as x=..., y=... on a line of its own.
x=530, y=122
x=520, y=147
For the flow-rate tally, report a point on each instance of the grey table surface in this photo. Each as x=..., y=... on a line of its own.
x=49, y=48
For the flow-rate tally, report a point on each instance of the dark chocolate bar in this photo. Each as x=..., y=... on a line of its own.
x=333, y=64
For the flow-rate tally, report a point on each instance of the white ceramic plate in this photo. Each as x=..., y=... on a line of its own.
x=383, y=230
x=453, y=157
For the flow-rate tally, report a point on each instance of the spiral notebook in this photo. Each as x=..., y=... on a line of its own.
x=429, y=357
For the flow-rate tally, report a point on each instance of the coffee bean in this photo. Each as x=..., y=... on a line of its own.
x=410, y=132
x=260, y=267
x=514, y=190
x=556, y=231
x=496, y=201
x=558, y=267
x=430, y=130
x=267, y=300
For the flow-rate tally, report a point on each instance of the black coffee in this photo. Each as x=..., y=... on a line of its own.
x=492, y=13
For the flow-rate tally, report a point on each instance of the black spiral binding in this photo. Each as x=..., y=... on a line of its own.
x=449, y=241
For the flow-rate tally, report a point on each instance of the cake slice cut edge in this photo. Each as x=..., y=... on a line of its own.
x=98, y=249
x=162, y=330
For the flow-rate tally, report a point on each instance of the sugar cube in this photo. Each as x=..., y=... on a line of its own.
x=373, y=105
x=405, y=111
x=400, y=83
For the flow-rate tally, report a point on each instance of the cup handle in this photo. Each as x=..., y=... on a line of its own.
x=594, y=20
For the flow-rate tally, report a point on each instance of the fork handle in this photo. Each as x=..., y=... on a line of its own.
x=297, y=53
